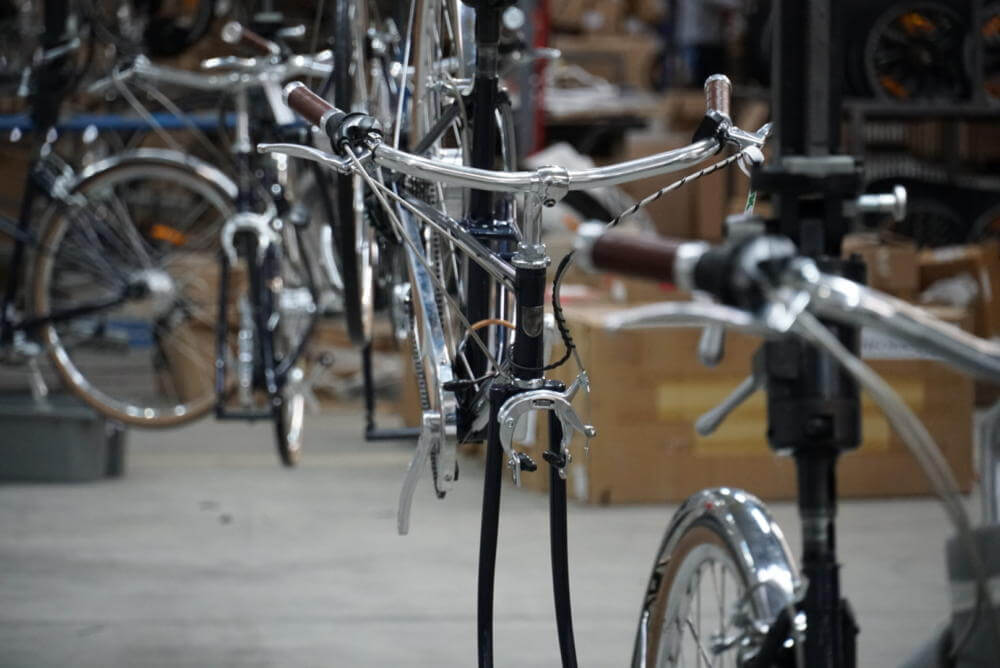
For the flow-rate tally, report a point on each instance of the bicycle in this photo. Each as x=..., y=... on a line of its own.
x=504, y=379
x=772, y=631
x=765, y=287
x=87, y=235
x=511, y=381
x=151, y=236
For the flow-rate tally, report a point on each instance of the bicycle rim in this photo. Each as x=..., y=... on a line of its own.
x=355, y=241
x=701, y=590
x=294, y=306
x=722, y=553
x=150, y=360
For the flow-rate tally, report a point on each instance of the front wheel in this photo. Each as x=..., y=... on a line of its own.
x=723, y=573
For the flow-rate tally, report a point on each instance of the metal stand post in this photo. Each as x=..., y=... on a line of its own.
x=813, y=407
x=372, y=432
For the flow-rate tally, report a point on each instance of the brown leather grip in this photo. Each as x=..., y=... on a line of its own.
x=235, y=33
x=307, y=104
x=639, y=256
x=719, y=94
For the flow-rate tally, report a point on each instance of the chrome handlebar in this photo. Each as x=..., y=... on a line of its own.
x=838, y=298
x=228, y=72
x=801, y=286
x=550, y=183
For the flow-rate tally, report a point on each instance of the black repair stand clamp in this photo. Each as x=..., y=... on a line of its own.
x=813, y=406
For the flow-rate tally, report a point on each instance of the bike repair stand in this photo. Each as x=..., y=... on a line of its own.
x=52, y=76
x=813, y=405
x=528, y=390
x=48, y=438
x=372, y=431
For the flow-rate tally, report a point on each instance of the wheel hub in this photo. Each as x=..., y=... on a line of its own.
x=154, y=290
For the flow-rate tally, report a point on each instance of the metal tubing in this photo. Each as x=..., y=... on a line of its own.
x=485, y=95
x=514, y=182
x=490, y=528
x=500, y=271
x=818, y=509
x=529, y=349
x=842, y=299
x=558, y=545
x=221, y=330
x=368, y=387
x=14, y=270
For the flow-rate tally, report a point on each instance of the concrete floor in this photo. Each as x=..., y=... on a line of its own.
x=209, y=554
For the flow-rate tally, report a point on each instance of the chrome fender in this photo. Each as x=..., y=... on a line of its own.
x=762, y=554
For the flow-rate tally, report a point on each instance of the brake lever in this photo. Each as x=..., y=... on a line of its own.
x=341, y=165
x=713, y=418
x=712, y=345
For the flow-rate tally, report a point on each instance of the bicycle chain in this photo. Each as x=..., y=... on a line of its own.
x=427, y=192
x=418, y=363
x=422, y=391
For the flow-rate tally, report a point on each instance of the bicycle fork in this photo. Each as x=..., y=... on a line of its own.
x=256, y=363
x=529, y=391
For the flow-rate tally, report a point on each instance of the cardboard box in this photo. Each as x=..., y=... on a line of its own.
x=686, y=109
x=649, y=11
x=982, y=262
x=649, y=388
x=697, y=210
x=892, y=262
x=189, y=353
x=626, y=60
x=198, y=278
x=587, y=15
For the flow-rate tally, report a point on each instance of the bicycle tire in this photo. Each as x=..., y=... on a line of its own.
x=352, y=231
x=107, y=394
x=723, y=524
x=288, y=403
x=916, y=51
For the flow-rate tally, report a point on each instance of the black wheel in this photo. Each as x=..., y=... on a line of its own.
x=987, y=225
x=933, y=223
x=916, y=51
x=171, y=29
x=352, y=230
x=990, y=32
